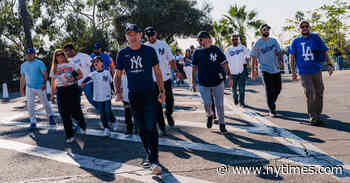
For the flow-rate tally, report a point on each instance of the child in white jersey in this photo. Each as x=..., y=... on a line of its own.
x=102, y=91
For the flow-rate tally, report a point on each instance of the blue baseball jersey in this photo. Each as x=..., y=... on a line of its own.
x=309, y=53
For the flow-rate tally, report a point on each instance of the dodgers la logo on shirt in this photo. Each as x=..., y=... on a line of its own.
x=307, y=53
x=136, y=65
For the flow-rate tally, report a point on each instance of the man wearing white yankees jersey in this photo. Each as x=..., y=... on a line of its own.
x=166, y=58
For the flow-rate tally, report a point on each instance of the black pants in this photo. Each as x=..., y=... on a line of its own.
x=143, y=109
x=128, y=116
x=68, y=101
x=169, y=104
x=273, y=87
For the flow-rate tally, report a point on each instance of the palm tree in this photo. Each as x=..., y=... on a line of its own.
x=219, y=33
x=239, y=19
x=26, y=23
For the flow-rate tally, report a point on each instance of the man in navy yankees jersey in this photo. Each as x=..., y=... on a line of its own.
x=138, y=60
x=212, y=66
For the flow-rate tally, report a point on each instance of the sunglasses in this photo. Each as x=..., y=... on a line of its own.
x=150, y=34
x=234, y=39
x=304, y=26
x=200, y=40
x=59, y=54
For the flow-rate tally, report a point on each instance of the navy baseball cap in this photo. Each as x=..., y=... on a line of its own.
x=150, y=31
x=263, y=26
x=97, y=45
x=132, y=27
x=30, y=51
x=304, y=22
x=203, y=34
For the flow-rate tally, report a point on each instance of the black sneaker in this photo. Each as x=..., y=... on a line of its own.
x=128, y=132
x=146, y=163
x=210, y=121
x=216, y=121
x=316, y=122
x=223, y=129
x=242, y=105
x=171, y=121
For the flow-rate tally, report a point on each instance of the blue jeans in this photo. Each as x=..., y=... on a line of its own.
x=88, y=90
x=172, y=77
x=105, y=113
x=238, y=81
x=143, y=105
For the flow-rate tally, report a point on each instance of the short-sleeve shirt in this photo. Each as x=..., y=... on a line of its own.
x=83, y=61
x=164, y=55
x=32, y=70
x=236, y=57
x=101, y=85
x=309, y=53
x=265, y=51
x=138, y=65
x=188, y=61
x=105, y=58
x=178, y=58
x=63, y=72
x=209, y=62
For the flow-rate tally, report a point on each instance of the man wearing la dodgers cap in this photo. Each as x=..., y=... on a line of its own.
x=34, y=77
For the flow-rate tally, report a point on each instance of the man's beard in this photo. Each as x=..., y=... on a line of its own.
x=305, y=34
x=266, y=35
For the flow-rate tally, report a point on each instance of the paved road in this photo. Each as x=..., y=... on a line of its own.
x=277, y=148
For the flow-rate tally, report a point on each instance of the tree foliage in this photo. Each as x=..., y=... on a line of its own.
x=237, y=20
x=327, y=21
x=169, y=17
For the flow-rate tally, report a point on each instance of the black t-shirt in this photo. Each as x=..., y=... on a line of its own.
x=209, y=62
x=138, y=65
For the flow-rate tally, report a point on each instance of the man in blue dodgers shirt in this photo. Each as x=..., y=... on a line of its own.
x=211, y=63
x=138, y=60
x=309, y=51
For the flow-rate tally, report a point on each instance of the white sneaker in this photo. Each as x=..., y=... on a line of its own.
x=107, y=132
x=82, y=131
x=156, y=169
x=115, y=126
x=70, y=140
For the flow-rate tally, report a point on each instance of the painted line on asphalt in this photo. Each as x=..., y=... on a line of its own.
x=236, y=151
x=113, y=167
x=256, y=128
x=312, y=154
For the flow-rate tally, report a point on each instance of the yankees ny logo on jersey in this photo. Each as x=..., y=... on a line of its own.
x=136, y=62
x=213, y=57
x=161, y=51
x=307, y=53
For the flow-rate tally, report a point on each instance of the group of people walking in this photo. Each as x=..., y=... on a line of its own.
x=142, y=80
